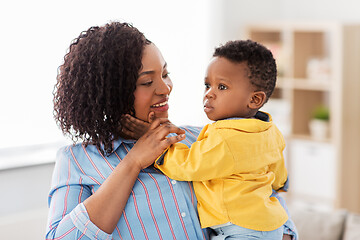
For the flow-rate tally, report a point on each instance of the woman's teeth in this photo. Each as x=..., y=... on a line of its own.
x=160, y=104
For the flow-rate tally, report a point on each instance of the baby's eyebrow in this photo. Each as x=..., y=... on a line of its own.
x=224, y=79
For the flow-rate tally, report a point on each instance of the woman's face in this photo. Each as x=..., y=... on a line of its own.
x=153, y=86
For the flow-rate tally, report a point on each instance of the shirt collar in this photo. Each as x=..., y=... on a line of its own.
x=259, y=115
x=117, y=143
x=254, y=125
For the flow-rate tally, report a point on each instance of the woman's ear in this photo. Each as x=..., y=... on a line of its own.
x=257, y=100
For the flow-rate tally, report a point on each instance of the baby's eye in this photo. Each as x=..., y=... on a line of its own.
x=207, y=86
x=222, y=87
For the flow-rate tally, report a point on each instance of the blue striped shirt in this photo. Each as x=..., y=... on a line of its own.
x=158, y=207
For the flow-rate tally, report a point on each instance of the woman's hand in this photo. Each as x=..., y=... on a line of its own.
x=133, y=127
x=153, y=143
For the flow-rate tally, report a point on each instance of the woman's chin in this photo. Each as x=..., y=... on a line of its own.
x=161, y=114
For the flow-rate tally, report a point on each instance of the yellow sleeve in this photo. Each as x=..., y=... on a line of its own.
x=280, y=172
x=208, y=158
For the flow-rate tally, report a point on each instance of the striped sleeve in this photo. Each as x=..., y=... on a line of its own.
x=67, y=218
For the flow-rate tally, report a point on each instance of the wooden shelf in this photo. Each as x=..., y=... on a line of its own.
x=304, y=84
x=317, y=65
x=308, y=137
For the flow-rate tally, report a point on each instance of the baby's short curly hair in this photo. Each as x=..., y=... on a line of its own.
x=96, y=82
x=259, y=59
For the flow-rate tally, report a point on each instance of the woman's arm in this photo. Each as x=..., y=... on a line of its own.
x=67, y=215
x=106, y=205
x=75, y=209
x=67, y=218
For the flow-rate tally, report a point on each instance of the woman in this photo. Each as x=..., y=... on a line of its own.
x=101, y=189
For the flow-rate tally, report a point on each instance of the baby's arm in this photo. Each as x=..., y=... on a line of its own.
x=208, y=158
x=281, y=175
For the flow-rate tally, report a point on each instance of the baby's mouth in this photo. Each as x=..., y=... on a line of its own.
x=207, y=104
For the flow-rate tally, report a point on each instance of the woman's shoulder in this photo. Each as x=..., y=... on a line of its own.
x=69, y=149
x=191, y=133
x=77, y=161
x=77, y=148
x=191, y=129
x=73, y=154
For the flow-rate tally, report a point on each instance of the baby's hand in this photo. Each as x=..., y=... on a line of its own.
x=134, y=127
x=153, y=143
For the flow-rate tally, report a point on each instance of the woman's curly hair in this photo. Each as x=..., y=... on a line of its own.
x=259, y=59
x=96, y=82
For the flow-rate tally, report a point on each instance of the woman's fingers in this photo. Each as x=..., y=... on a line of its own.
x=133, y=127
x=129, y=133
x=133, y=123
x=168, y=128
x=163, y=127
x=159, y=131
x=158, y=121
x=156, y=140
x=167, y=142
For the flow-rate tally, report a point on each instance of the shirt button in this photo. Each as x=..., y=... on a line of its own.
x=173, y=181
x=183, y=214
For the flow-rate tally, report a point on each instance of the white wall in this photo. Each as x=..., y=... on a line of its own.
x=236, y=14
x=24, y=193
x=35, y=36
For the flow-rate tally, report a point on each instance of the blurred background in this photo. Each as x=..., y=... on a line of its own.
x=316, y=103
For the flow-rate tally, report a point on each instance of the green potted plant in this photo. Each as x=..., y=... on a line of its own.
x=319, y=123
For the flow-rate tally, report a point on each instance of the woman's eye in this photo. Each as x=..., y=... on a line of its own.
x=166, y=75
x=148, y=83
x=222, y=87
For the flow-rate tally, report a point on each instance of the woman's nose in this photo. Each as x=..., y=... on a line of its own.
x=164, y=87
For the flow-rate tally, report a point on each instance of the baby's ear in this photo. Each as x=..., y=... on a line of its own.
x=257, y=100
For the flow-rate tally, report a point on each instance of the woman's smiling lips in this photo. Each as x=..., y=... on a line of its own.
x=161, y=106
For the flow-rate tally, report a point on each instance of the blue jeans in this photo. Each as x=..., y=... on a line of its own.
x=232, y=232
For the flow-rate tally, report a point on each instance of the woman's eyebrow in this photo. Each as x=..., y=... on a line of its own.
x=146, y=72
x=151, y=71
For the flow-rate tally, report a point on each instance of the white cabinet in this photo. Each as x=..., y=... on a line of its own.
x=313, y=173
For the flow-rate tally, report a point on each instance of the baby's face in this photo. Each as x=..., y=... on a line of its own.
x=228, y=90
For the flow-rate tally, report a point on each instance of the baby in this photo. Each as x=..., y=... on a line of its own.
x=237, y=160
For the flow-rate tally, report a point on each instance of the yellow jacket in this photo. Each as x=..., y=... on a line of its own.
x=234, y=165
